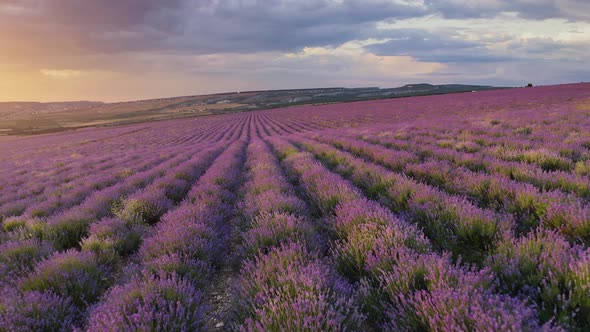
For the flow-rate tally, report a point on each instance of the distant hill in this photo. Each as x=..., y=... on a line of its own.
x=283, y=98
x=15, y=109
x=25, y=118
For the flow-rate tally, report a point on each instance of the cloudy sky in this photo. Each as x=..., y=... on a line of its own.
x=114, y=50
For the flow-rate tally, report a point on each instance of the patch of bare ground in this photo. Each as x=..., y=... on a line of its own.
x=219, y=291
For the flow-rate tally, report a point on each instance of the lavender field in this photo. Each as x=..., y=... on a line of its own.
x=459, y=212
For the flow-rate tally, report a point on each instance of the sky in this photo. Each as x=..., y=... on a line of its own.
x=117, y=50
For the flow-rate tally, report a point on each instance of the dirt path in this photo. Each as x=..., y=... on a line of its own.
x=220, y=289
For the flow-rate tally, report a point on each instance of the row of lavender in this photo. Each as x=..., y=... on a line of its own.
x=49, y=173
x=531, y=186
x=482, y=222
x=531, y=206
x=543, y=105
x=542, y=267
x=397, y=226
x=563, y=167
x=31, y=166
x=284, y=282
x=165, y=292
x=67, y=282
x=122, y=249
x=400, y=282
x=53, y=194
x=45, y=182
x=165, y=287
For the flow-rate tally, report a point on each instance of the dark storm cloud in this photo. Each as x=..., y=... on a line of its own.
x=251, y=26
x=198, y=26
x=75, y=26
x=238, y=26
x=529, y=9
x=434, y=47
x=111, y=14
x=453, y=48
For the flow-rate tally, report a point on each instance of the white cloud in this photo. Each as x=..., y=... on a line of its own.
x=62, y=73
x=353, y=60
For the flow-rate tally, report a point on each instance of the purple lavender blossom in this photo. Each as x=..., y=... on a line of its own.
x=71, y=274
x=292, y=289
x=36, y=311
x=18, y=256
x=155, y=304
x=270, y=230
